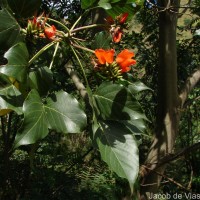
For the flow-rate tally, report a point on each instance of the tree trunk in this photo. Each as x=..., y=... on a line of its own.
x=167, y=110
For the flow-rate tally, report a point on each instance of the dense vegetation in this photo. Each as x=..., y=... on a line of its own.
x=60, y=160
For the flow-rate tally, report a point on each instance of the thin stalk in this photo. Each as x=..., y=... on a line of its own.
x=80, y=66
x=83, y=48
x=54, y=55
x=61, y=24
x=41, y=51
x=77, y=21
x=87, y=27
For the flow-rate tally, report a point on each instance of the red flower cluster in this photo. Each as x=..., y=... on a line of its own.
x=36, y=26
x=117, y=26
x=123, y=59
x=50, y=32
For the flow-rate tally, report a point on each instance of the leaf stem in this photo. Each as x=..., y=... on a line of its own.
x=83, y=48
x=77, y=21
x=41, y=51
x=87, y=27
x=80, y=66
x=61, y=24
x=54, y=54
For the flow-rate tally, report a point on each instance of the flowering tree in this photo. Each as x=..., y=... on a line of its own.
x=30, y=105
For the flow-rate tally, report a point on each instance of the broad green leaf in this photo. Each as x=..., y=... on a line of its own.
x=134, y=86
x=137, y=87
x=11, y=98
x=87, y=3
x=9, y=30
x=41, y=79
x=16, y=67
x=119, y=150
x=64, y=113
x=24, y=8
x=106, y=6
x=115, y=102
x=102, y=40
x=35, y=125
x=137, y=126
x=61, y=112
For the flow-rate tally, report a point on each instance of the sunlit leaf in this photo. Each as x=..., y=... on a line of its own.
x=35, y=125
x=11, y=98
x=106, y=6
x=61, y=112
x=16, y=67
x=115, y=102
x=119, y=150
x=64, y=113
x=41, y=79
x=9, y=30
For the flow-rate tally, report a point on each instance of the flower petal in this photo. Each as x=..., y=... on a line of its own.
x=50, y=32
x=105, y=56
x=123, y=18
x=117, y=35
x=124, y=59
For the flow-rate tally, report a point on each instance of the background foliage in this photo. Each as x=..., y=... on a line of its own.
x=66, y=166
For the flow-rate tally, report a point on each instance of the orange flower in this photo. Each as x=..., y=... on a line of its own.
x=117, y=35
x=50, y=32
x=124, y=60
x=123, y=18
x=105, y=56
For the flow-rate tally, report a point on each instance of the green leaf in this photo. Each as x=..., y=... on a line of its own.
x=85, y=4
x=35, y=126
x=24, y=8
x=64, y=113
x=41, y=79
x=11, y=98
x=137, y=127
x=119, y=150
x=115, y=102
x=102, y=40
x=133, y=86
x=106, y=6
x=61, y=113
x=9, y=30
x=137, y=87
x=16, y=67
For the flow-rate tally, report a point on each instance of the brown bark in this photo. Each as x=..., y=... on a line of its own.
x=167, y=111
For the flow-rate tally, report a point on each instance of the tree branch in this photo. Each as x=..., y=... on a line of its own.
x=189, y=85
x=166, y=177
x=169, y=158
x=77, y=82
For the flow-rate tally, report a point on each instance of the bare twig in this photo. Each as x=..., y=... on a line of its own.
x=169, y=158
x=166, y=177
x=191, y=82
